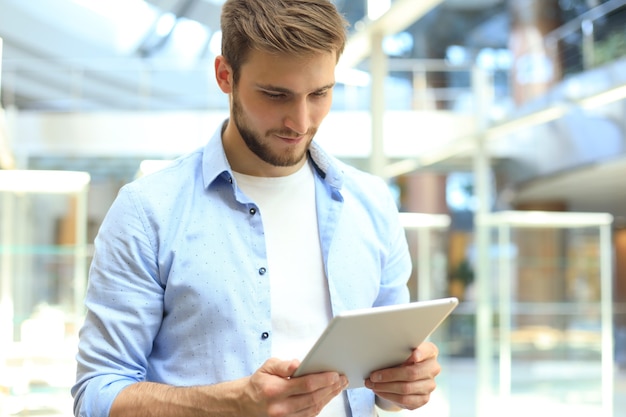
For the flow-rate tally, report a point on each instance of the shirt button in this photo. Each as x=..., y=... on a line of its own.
x=265, y=335
x=252, y=211
x=262, y=271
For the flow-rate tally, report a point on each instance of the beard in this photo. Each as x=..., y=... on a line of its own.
x=261, y=146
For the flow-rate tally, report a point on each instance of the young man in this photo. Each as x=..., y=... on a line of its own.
x=210, y=275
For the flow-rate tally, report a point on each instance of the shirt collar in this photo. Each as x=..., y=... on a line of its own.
x=328, y=167
x=215, y=164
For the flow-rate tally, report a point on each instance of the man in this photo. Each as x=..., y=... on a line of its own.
x=210, y=275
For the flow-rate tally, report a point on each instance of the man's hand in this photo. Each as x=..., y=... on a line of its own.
x=271, y=392
x=409, y=385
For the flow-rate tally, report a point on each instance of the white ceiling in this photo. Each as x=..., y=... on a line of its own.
x=91, y=55
x=599, y=187
x=60, y=55
x=68, y=57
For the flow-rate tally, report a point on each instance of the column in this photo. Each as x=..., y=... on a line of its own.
x=535, y=68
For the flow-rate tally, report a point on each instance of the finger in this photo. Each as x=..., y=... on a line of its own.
x=427, y=369
x=404, y=388
x=311, y=401
x=315, y=382
x=280, y=368
x=425, y=351
x=409, y=395
x=409, y=402
x=428, y=350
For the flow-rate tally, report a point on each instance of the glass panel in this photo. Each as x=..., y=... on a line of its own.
x=43, y=269
x=550, y=283
x=556, y=324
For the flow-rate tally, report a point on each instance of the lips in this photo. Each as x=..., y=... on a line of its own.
x=289, y=138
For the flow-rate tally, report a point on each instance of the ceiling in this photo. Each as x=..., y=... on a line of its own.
x=125, y=55
x=597, y=187
x=68, y=55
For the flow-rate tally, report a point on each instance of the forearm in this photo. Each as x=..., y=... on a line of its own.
x=147, y=399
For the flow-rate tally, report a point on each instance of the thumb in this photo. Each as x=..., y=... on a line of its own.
x=280, y=368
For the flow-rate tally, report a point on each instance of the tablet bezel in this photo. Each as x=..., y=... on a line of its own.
x=358, y=342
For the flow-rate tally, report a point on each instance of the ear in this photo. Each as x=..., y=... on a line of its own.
x=223, y=74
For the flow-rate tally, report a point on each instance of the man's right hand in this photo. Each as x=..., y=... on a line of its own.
x=269, y=392
x=272, y=392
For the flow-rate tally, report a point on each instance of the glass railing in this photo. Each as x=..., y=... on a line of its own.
x=551, y=327
x=592, y=39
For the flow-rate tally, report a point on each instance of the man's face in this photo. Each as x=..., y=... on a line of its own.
x=277, y=106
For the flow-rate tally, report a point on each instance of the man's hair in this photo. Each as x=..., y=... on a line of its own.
x=296, y=27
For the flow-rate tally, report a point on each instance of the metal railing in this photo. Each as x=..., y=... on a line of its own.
x=591, y=39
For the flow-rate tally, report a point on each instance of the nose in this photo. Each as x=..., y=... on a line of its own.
x=297, y=118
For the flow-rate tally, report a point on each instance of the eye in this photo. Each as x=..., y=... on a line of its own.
x=273, y=96
x=322, y=93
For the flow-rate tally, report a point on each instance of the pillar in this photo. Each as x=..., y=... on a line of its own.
x=535, y=66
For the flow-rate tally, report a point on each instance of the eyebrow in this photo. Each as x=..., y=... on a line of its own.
x=284, y=90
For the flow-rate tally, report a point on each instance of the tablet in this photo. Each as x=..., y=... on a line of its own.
x=357, y=342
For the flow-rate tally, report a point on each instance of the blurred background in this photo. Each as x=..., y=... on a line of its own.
x=500, y=126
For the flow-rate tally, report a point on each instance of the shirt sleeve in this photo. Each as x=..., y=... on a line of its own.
x=124, y=308
x=397, y=266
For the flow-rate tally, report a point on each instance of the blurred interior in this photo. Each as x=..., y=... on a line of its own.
x=500, y=126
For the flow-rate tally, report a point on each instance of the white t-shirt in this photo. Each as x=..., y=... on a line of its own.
x=300, y=298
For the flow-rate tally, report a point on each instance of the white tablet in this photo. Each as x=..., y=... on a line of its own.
x=358, y=342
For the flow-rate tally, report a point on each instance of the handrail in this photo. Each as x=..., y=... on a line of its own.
x=584, y=24
x=576, y=23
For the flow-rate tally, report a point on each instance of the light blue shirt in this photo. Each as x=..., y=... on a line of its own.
x=179, y=286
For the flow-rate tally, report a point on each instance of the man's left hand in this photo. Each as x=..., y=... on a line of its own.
x=407, y=386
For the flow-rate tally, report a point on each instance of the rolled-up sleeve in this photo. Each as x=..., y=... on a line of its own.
x=124, y=309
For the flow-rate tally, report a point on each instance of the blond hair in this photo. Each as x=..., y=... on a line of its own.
x=297, y=27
